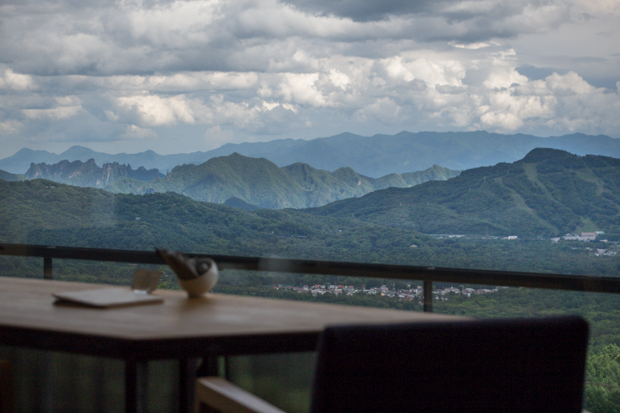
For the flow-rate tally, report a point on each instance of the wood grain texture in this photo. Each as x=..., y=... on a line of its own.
x=225, y=397
x=216, y=323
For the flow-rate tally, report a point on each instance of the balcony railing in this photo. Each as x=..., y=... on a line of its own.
x=428, y=275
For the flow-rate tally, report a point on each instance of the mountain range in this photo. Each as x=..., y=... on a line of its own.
x=252, y=183
x=87, y=173
x=373, y=156
x=547, y=193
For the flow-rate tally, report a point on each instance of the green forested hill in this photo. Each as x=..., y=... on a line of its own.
x=46, y=213
x=6, y=176
x=260, y=182
x=547, y=193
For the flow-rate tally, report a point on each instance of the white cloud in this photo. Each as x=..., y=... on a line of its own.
x=15, y=81
x=339, y=79
x=384, y=110
x=136, y=132
x=158, y=111
x=571, y=82
x=433, y=69
x=559, y=103
x=504, y=78
x=472, y=46
x=9, y=127
x=62, y=112
x=301, y=88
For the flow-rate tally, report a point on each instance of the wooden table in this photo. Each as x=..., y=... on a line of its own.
x=180, y=328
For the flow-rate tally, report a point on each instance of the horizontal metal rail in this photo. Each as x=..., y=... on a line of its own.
x=401, y=272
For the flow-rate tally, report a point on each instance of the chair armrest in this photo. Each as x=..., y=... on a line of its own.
x=224, y=396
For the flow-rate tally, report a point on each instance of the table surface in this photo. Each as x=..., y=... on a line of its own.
x=218, y=324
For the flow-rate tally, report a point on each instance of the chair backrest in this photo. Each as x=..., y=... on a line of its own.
x=481, y=366
x=6, y=387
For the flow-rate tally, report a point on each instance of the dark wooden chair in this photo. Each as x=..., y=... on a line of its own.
x=6, y=387
x=482, y=366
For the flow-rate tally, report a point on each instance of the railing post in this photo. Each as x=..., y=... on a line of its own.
x=428, y=296
x=47, y=268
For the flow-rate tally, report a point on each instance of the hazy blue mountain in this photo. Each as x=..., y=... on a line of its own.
x=257, y=182
x=20, y=162
x=87, y=173
x=547, y=193
x=372, y=156
x=404, y=152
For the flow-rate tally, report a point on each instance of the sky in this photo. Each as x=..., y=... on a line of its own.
x=184, y=76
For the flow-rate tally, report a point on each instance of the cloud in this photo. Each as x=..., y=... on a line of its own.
x=62, y=112
x=154, y=110
x=301, y=88
x=135, y=132
x=245, y=35
x=9, y=127
x=195, y=73
x=10, y=80
x=216, y=136
x=384, y=110
x=562, y=103
x=367, y=10
x=463, y=22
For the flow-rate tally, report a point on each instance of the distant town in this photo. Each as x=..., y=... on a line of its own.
x=413, y=293
x=612, y=250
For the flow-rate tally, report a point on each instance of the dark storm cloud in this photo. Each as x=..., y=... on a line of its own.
x=465, y=21
x=367, y=10
x=103, y=38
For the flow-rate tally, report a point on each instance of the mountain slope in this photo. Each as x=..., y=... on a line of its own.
x=47, y=213
x=372, y=156
x=547, y=193
x=261, y=183
x=88, y=174
x=6, y=176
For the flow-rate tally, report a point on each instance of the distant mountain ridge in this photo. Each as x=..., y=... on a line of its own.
x=373, y=156
x=6, y=176
x=88, y=174
x=248, y=183
x=547, y=193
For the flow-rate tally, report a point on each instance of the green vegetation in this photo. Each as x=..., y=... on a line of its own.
x=6, y=176
x=43, y=212
x=261, y=183
x=548, y=193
